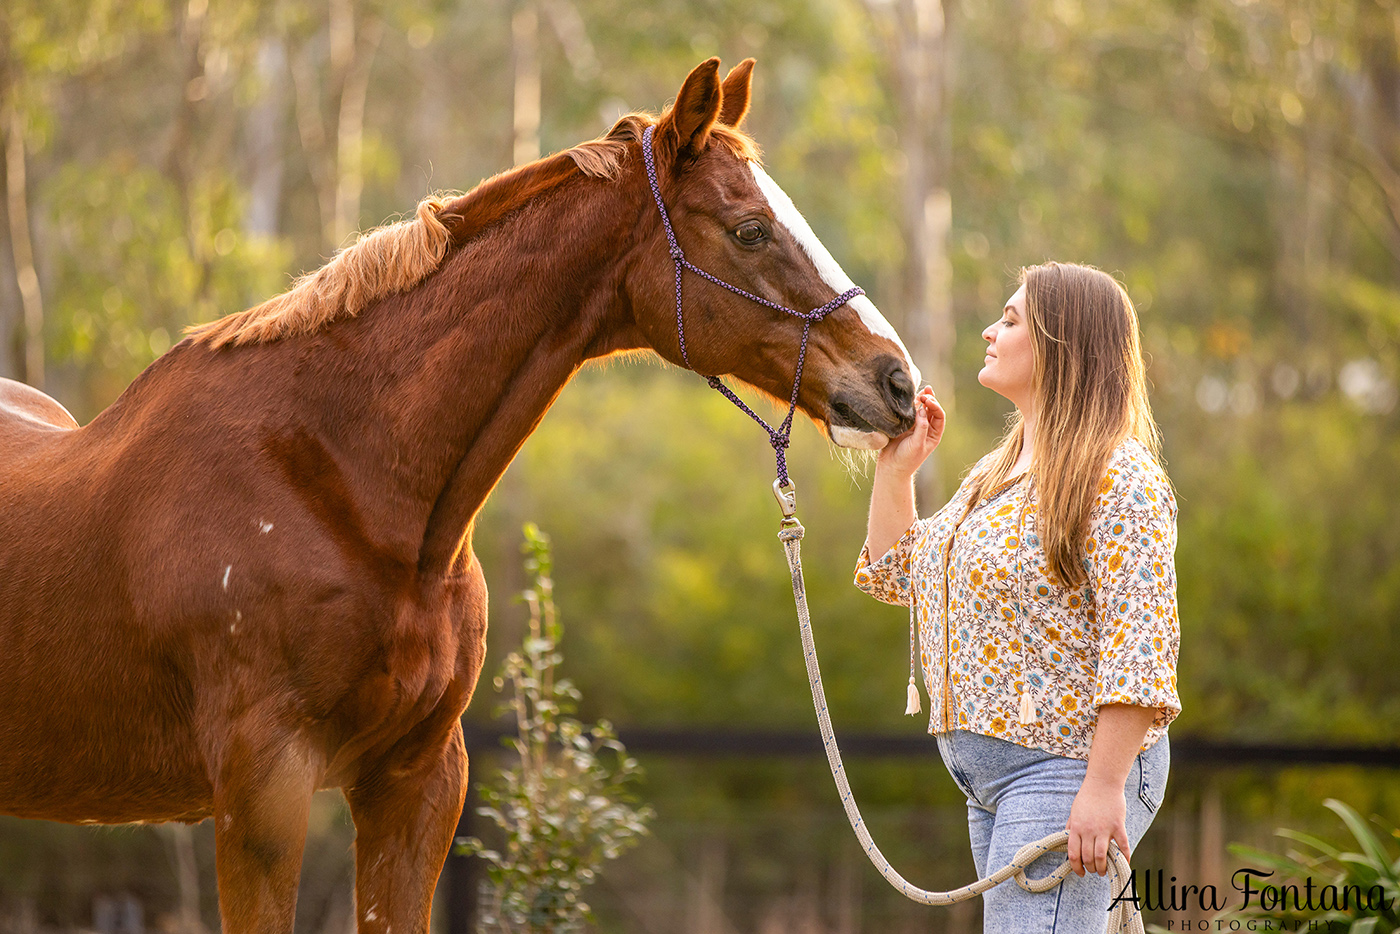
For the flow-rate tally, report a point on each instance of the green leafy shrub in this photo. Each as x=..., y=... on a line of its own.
x=567, y=806
x=1367, y=881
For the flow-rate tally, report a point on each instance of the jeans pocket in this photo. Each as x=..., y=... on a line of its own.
x=1152, y=781
x=945, y=750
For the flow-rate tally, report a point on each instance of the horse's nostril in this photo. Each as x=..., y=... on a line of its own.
x=899, y=389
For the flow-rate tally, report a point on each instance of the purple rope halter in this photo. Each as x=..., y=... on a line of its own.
x=780, y=436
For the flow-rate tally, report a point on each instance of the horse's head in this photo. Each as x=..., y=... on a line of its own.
x=733, y=221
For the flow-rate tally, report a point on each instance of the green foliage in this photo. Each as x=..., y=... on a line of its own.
x=1370, y=877
x=126, y=287
x=567, y=807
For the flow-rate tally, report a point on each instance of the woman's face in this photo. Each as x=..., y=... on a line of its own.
x=1008, y=364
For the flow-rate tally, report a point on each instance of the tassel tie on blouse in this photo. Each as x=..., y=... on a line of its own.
x=1025, y=710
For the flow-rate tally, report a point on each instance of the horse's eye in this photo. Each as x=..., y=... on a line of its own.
x=750, y=233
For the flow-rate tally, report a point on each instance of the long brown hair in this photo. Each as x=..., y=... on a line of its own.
x=1089, y=388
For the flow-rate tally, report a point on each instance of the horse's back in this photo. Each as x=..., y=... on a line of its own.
x=26, y=409
x=34, y=430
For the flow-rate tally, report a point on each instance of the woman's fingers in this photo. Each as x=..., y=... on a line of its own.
x=1101, y=855
x=911, y=449
x=1121, y=835
x=936, y=418
x=1094, y=851
x=926, y=405
x=1074, y=849
x=1089, y=852
x=1097, y=817
x=920, y=423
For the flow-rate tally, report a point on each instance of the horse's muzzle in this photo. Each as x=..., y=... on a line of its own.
x=868, y=414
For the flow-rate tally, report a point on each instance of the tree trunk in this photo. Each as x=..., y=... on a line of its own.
x=311, y=127
x=265, y=127
x=921, y=80
x=22, y=246
x=178, y=164
x=706, y=895
x=1211, y=865
x=181, y=838
x=525, y=43
x=337, y=175
x=350, y=129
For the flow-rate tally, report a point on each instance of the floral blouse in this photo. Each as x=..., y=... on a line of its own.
x=991, y=623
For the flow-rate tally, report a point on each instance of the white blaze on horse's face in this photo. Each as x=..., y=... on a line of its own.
x=831, y=272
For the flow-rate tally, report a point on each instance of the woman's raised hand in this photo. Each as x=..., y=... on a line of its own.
x=892, y=494
x=904, y=454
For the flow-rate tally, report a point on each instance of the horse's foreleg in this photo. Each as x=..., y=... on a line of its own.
x=261, y=803
x=405, y=814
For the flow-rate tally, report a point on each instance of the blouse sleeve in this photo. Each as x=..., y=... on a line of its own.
x=1130, y=551
x=888, y=578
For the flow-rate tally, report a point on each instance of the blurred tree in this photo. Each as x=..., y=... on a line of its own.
x=21, y=243
x=42, y=42
x=331, y=64
x=915, y=36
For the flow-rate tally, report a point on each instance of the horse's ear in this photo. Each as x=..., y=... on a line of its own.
x=736, y=93
x=696, y=109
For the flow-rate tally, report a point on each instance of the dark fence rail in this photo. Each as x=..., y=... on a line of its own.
x=704, y=742
x=724, y=743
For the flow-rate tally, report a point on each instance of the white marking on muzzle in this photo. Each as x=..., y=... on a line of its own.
x=831, y=272
x=845, y=437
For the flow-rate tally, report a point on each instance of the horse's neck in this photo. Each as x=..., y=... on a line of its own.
x=498, y=332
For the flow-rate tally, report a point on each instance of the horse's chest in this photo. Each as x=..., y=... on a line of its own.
x=427, y=652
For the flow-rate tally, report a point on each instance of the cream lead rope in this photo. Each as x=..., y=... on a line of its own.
x=1122, y=919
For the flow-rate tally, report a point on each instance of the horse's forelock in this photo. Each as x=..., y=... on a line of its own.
x=605, y=156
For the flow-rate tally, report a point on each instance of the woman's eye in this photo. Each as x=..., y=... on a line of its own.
x=749, y=233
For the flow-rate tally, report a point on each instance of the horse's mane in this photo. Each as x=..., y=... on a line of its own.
x=398, y=256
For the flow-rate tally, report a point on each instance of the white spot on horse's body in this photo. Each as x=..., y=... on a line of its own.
x=227, y=571
x=370, y=915
x=264, y=526
x=831, y=272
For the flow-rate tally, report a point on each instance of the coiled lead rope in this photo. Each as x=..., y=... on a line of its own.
x=1122, y=917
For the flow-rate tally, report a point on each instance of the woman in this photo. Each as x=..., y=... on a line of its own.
x=1042, y=596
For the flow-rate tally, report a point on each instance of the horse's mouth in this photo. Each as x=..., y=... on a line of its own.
x=848, y=429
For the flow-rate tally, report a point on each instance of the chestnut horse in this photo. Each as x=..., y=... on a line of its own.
x=251, y=577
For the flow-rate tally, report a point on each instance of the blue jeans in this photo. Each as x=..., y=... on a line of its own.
x=1017, y=795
